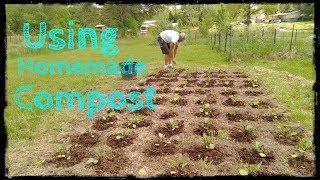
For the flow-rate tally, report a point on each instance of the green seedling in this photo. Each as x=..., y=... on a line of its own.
x=177, y=89
x=176, y=97
x=161, y=137
x=99, y=151
x=246, y=126
x=222, y=134
x=177, y=141
x=173, y=124
x=124, y=134
x=208, y=121
x=181, y=161
x=234, y=98
x=111, y=114
x=260, y=148
x=134, y=121
x=91, y=161
x=232, y=112
x=205, y=160
x=250, y=169
x=208, y=141
x=305, y=144
x=226, y=89
x=256, y=102
x=283, y=129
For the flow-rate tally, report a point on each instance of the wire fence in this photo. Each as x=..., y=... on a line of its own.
x=262, y=43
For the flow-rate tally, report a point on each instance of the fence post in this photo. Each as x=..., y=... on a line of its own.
x=219, y=39
x=230, y=43
x=215, y=38
x=291, y=37
x=274, y=36
x=295, y=36
x=225, y=41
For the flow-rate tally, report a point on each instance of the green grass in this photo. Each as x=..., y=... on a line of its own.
x=24, y=124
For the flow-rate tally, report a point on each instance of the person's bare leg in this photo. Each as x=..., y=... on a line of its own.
x=166, y=58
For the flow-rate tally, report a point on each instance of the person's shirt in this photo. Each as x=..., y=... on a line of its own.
x=170, y=36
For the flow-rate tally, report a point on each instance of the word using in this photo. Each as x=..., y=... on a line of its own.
x=56, y=43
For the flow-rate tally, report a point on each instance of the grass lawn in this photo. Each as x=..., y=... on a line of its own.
x=289, y=82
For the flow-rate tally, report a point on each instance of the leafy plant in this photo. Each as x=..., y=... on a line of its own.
x=233, y=98
x=176, y=97
x=124, y=134
x=260, y=148
x=305, y=144
x=282, y=128
x=256, y=102
x=134, y=121
x=161, y=137
x=173, y=124
x=250, y=169
x=91, y=161
x=181, y=161
x=246, y=126
x=208, y=121
x=208, y=141
x=232, y=112
x=222, y=134
x=99, y=151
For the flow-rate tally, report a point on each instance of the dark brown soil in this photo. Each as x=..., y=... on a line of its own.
x=206, y=129
x=168, y=114
x=151, y=80
x=160, y=148
x=113, y=163
x=201, y=83
x=183, y=92
x=207, y=112
x=102, y=124
x=144, y=111
x=302, y=165
x=242, y=76
x=168, y=131
x=178, y=172
x=180, y=102
x=252, y=156
x=160, y=100
x=205, y=100
x=226, y=83
x=73, y=156
x=165, y=89
x=236, y=117
x=210, y=83
x=192, y=80
x=230, y=102
x=143, y=123
x=141, y=90
x=253, y=93
x=115, y=142
x=229, y=93
x=262, y=105
x=242, y=136
x=288, y=140
x=272, y=118
x=87, y=139
x=215, y=155
x=250, y=83
x=200, y=91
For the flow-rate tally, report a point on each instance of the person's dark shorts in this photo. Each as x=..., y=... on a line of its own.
x=164, y=46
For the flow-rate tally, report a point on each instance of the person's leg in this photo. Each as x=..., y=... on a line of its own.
x=166, y=59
